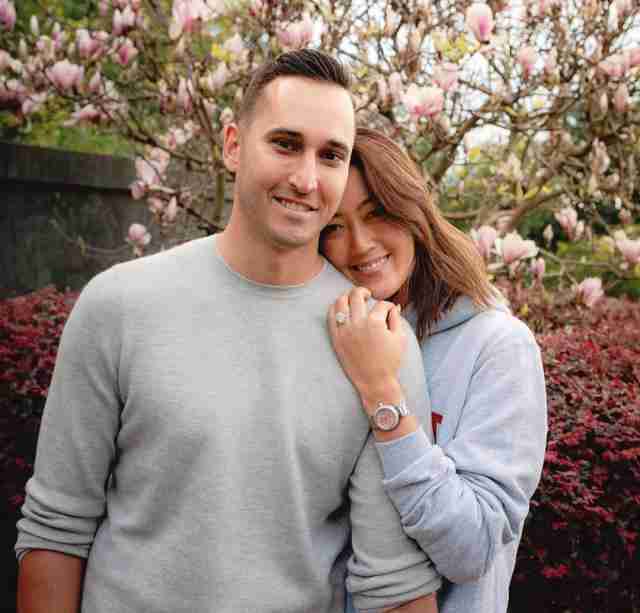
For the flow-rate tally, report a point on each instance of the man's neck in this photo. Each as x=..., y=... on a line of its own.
x=269, y=264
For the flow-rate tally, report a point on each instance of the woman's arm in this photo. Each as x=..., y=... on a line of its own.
x=463, y=503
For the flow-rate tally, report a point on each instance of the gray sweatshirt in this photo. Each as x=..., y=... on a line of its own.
x=464, y=499
x=199, y=444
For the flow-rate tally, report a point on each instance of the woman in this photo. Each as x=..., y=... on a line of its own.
x=463, y=498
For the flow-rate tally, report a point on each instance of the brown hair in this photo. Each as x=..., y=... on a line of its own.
x=447, y=263
x=307, y=63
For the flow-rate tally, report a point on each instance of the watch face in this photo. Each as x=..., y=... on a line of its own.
x=386, y=418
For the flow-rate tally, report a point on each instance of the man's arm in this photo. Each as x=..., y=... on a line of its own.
x=388, y=570
x=50, y=582
x=65, y=497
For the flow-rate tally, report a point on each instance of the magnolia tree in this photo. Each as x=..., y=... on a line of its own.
x=512, y=108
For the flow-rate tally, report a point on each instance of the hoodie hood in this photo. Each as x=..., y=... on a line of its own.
x=462, y=310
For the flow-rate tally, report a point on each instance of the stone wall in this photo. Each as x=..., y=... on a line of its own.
x=64, y=217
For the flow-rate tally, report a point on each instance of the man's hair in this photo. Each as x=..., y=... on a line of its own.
x=307, y=63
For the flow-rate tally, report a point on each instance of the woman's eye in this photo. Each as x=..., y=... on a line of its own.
x=378, y=211
x=332, y=228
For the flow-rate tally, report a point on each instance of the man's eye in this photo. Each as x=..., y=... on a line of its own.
x=285, y=144
x=333, y=156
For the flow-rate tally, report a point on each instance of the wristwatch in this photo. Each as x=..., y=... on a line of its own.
x=386, y=417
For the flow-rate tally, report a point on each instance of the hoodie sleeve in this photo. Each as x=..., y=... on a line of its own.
x=387, y=567
x=65, y=497
x=463, y=502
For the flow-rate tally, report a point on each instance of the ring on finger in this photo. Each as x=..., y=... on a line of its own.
x=341, y=318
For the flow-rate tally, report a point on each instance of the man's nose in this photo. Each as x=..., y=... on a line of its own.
x=305, y=176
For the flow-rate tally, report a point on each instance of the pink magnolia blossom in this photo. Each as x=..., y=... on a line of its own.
x=484, y=238
x=33, y=103
x=88, y=113
x=103, y=8
x=146, y=172
x=156, y=205
x=138, y=190
x=117, y=24
x=423, y=101
x=630, y=250
x=128, y=18
x=538, y=267
x=126, y=52
x=589, y=291
x=445, y=76
x=548, y=234
x=171, y=211
x=615, y=66
x=395, y=86
x=95, y=83
x=7, y=15
x=623, y=7
x=88, y=46
x=568, y=220
x=34, y=26
x=65, y=75
x=138, y=237
x=550, y=65
x=184, y=97
x=5, y=60
x=600, y=159
x=513, y=248
x=235, y=46
x=479, y=20
x=256, y=7
x=633, y=56
x=298, y=34
x=217, y=80
x=527, y=58
x=188, y=15
x=226, y=116
x=621, y=98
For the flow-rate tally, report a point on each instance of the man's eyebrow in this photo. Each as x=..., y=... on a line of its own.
x=334, y=144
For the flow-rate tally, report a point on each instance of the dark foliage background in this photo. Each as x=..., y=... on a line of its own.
x=580, y=551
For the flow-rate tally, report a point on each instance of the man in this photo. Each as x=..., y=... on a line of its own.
x=199, y=437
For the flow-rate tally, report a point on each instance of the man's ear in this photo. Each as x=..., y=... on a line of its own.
x=231, y=147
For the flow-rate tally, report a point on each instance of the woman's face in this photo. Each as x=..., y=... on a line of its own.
x=365, y=245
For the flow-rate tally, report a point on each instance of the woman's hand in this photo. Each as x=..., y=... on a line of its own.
x=370, y=345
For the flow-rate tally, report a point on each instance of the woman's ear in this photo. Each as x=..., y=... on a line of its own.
x=231, y=147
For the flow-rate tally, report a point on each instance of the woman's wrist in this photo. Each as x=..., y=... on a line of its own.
x=388, y=391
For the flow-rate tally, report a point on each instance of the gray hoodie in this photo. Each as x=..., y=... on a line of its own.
x=464, y=499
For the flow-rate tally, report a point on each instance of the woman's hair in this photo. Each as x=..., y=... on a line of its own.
x=447, y=263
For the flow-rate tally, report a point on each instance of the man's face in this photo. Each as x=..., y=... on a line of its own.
x=291, y=159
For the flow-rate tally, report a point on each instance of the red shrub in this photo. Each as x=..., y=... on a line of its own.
x=580, y=550
x=580, y=547
x=30, y=328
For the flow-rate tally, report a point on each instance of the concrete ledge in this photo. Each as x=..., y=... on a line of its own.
x=23, y=163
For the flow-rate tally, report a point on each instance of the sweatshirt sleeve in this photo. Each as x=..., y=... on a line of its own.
x=387, y=567
x=65, y=497
x=462, y=503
